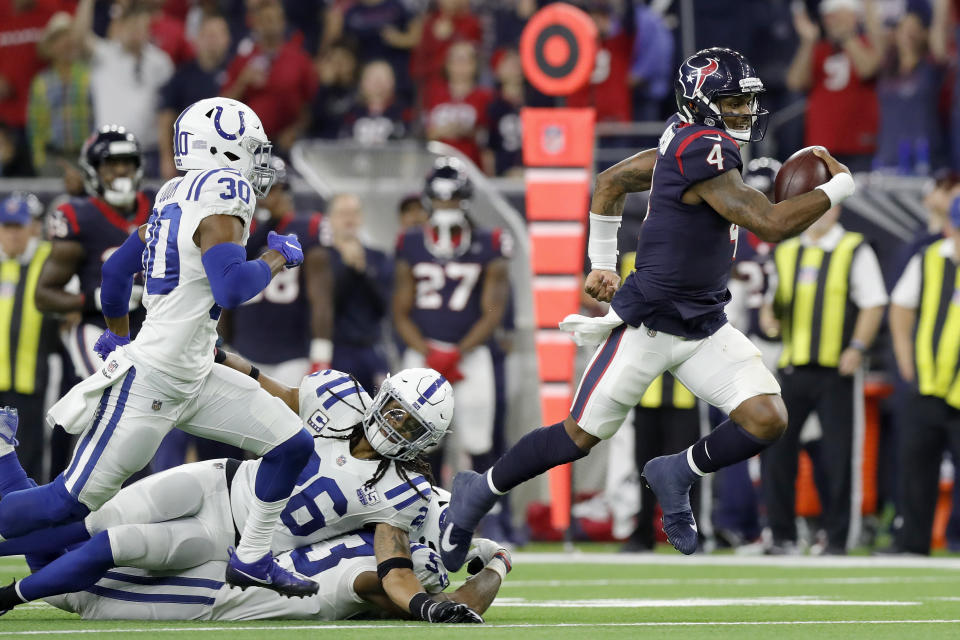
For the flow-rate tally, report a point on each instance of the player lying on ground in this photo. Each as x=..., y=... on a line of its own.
x=365, y=469
x=669, y=316
x=345, y=567
x=192, y=252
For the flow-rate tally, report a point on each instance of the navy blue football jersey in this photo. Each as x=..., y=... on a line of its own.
x=685, y=251
x=447, y=300
x=274, y=325
x=101, y=230
x=753, y=268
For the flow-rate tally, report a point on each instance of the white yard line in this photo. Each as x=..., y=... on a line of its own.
x=468, y=627
x=650, y=603
x=800, y=562
x=660, y=582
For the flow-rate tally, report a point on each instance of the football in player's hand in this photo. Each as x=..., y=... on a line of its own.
x=802, y=172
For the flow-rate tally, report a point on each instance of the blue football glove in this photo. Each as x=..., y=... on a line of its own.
x=9, y=419
x=288, y=246
x=109, y=341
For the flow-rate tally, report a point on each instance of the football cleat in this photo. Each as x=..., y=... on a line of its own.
x=471, y=499
x=9, y=419
x=670, y=478
x=267, y=573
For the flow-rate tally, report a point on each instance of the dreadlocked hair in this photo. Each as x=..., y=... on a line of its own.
x=353, y=434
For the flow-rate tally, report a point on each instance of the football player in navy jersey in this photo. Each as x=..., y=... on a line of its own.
x=668, y=315
x=286, y=329
x=450, y=293
x=85, y=231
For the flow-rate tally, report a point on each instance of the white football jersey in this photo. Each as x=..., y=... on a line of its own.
x=180, y=330
x=331, y=497
x=200, y=594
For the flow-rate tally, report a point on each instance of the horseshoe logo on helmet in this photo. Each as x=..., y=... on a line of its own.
x=224, y=134
x=696, y=76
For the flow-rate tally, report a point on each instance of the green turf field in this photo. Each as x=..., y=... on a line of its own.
x=600, y=595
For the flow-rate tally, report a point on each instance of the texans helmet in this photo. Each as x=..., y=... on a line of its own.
x=447, y=180
x=761, y=174
x=711, y=74
x=111, y=142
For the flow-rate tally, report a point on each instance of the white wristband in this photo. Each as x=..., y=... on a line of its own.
x=838, y=188
x=321, y=350
x=498, y=566
x=602, y=243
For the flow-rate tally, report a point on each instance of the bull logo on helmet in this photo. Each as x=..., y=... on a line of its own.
x=696, y=76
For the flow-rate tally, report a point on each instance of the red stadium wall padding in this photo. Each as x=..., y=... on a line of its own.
x=555, y=356
x=554, y=298
x=557, y=247
x=558, y=137
x=808, y=502
x=558, y=194
x=555, y=400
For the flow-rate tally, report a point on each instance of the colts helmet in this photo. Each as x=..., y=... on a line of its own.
x=711, y=74
x=761, y=174
x=410, y=413
x=111, y=142
x=446, y=192
x=217, y=133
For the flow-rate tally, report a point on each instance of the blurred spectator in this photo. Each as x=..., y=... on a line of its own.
x=608, y=90
x=504, y=152
x=337, y=71
x=908, y=91
x=14, y=156
x=21, y=27
x=168, y=32
x=456, y=111
x=195, y=80
x=60, y=111
x=412, y=213
x=375, y=116
x=651, y=63
x=838, y=72
x=387, y=31
x=926, y=330
x=508, y=18
x=286, y=328
x=29, y=337
x=273, y=75
x=126, y=74
x=363, y=278
x=449, y=22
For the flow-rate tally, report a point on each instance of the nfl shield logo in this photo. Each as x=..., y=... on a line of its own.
x=112, y=366
x=808, y=275
x=554, y=139
x=341, y=460
x=157, y=404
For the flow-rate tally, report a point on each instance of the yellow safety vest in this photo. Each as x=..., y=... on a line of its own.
x=937, y=339
x=21, y=325
x=665, y=390
x=812, y=302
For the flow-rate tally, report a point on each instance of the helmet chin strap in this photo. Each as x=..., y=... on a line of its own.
x=120, y=193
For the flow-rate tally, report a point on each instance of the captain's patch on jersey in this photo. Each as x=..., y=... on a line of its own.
x=368, y=496
x=318, y=420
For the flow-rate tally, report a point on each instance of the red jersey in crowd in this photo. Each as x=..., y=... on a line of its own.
x=20, y=31
x=608, y=90
x=169, y=33
x=842, y=112
x=426, y=63
x=469, y=113
x=291, y=82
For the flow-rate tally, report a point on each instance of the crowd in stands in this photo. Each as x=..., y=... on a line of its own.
x=377, y=70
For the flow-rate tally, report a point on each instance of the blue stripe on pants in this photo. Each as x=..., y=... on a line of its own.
x=86, y=439
x=105, y=438
x=597, y=369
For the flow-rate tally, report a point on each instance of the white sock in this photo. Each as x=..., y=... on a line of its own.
x=693, y=465
x=258, y=529
x=490, y=484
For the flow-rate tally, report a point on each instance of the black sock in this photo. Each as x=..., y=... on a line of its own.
x=534, y=453
x=729, y=443
x=8, y=597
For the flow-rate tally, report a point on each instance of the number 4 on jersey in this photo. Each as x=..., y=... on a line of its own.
x=715, y=157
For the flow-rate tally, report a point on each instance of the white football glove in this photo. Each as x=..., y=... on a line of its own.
x=487, y=554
